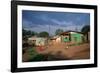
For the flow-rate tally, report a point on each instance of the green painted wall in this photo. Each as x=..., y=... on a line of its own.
x=64, y=39
x=76, y=37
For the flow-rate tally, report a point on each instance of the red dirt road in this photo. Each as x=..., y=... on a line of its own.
x=72, y=52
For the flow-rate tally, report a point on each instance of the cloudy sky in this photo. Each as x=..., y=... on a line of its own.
x=39, y=21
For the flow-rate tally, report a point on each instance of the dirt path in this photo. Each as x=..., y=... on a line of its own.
x=72, y=52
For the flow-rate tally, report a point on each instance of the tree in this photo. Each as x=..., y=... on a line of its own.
x=24, y=32
x=33, y=33
x=85, y=29
x=28, y=33
x=58, y=31
x=43, y=34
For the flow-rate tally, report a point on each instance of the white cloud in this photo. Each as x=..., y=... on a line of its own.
x=62, y=23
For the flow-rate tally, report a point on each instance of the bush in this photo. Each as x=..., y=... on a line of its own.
x=25, y=44
x=23, y=51
x=38, y=57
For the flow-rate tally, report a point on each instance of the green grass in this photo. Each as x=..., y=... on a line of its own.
x=34, y=56
x=32, y=53
x=38, y=57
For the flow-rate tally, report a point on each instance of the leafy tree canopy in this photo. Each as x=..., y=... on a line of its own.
x=58, y=31
x=43, y=34
x=28, y=33
x=85, y=29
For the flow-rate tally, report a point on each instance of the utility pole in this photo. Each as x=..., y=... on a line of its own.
x=49, y=29
x=76, y=29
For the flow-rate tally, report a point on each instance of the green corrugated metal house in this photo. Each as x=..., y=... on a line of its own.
x=72, y=36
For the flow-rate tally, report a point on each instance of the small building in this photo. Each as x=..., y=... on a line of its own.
x=55, y=39
x=87, y=37
x=38, y=41
x=32, y=40
x=72, y=36
x=41, y=41
x=65, y=37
